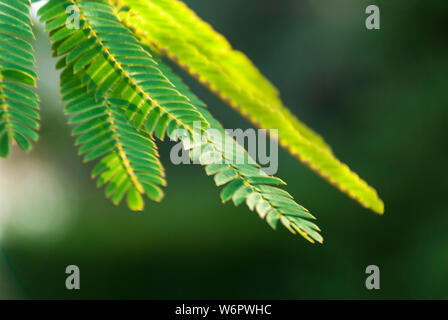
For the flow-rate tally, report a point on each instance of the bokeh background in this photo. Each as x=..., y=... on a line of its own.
x=378, y=97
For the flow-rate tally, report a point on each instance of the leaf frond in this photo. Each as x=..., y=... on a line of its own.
x=95, y=76
x=19, y=104
x=121, y=79
x=243, y=179
x=174, y=30
x=114, y=64
x=128, y=161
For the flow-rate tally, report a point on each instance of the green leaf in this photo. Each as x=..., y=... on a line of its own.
x=230, y=189
x=4, y=144
x=135, y=200
x=225, y=176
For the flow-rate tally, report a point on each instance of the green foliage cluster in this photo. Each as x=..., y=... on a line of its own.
x=19, y=117
x=120, y=97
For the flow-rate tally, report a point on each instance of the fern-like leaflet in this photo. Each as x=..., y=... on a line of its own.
x=129, y=162
x=248, y=183
x=19, y=116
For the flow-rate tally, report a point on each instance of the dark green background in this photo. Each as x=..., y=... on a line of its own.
x=378, y=97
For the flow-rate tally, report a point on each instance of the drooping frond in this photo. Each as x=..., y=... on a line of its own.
x=19, y=116
x=114, y=65
x=244, y=180
x=128, y=159
x=173, y=29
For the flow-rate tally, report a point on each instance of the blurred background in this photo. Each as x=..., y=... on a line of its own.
x=378, y=97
